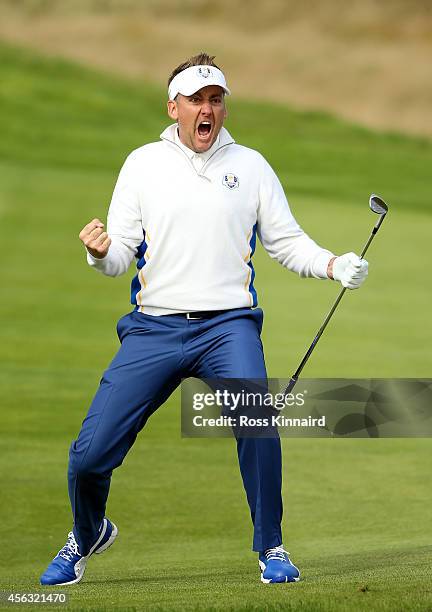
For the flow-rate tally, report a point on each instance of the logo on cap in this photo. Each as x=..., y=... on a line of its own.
x=230, y=180
x=204, y=72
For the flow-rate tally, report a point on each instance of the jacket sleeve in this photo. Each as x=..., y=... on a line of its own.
x=281, y=235
x=124, y=225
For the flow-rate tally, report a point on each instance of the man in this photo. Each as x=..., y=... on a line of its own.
x=188, y=208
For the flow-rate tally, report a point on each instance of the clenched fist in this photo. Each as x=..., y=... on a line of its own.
x=95, y=239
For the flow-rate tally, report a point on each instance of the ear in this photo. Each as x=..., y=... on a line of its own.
x=172, y=109
x=225, y=113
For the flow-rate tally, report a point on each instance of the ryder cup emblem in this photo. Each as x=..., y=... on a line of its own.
x=230, y=180
x=204, y=72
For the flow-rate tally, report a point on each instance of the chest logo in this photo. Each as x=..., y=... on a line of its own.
x=204, y=72
x=230, y=180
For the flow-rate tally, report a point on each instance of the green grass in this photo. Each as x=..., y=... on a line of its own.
x=357, y=512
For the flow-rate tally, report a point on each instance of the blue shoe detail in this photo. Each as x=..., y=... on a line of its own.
x=109, y=533
x=68, y=565
x=276, y=566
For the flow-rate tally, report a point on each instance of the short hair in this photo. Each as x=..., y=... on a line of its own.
x=202, y=59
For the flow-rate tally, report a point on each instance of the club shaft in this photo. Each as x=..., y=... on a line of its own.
x=371, y=237
x=308, y=353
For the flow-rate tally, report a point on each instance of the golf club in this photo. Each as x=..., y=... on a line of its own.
x=378, y=206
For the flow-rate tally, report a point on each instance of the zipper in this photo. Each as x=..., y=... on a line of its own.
x=191, y=162
x=214, y=153
x=183, y=152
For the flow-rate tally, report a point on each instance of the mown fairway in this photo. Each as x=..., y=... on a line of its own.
x=357, y=512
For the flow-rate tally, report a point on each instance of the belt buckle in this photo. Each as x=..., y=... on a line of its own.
x=190, y=317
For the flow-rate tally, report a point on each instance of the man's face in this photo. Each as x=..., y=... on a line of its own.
x=199, y=117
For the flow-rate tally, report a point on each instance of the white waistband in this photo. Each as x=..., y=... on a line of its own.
x=156, y=311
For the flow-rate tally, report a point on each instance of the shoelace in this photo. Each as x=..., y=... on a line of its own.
x=278, y=553
x=70, y=548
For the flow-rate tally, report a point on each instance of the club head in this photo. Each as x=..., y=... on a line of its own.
x=377, y=205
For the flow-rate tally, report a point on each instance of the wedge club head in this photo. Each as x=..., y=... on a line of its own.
x=377, y=205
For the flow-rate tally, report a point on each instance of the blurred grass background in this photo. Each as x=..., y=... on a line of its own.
x=358, y=512
x=367, y=61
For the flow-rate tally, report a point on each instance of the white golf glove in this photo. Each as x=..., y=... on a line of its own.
x=350, y=270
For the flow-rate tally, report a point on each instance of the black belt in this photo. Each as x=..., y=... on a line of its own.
x=201, y=314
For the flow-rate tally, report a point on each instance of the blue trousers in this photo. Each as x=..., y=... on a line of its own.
x=155, y=354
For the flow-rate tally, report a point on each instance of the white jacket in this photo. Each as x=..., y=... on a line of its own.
x=193, y=232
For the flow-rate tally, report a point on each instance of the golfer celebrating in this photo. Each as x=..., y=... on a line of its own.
x=188, y=209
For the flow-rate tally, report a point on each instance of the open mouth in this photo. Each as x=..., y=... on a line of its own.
x=204, y=129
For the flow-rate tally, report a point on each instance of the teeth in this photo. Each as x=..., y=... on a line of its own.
x=205, y=133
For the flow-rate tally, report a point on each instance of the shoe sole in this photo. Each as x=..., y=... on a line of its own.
x=83, y=560
x=270, y=581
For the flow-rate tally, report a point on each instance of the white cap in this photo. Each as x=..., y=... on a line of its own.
x=192, y=79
